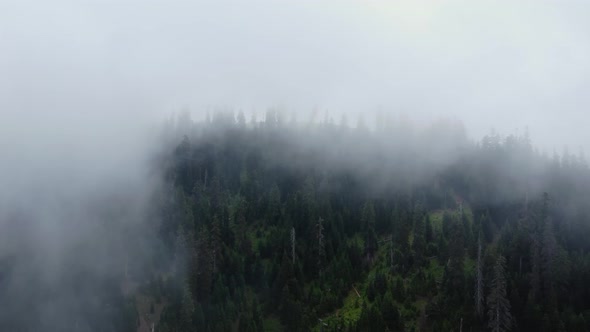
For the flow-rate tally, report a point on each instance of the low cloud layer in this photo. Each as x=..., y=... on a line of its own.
x=500, y=65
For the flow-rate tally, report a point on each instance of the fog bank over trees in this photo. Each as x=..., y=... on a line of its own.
x=492, y=64
x=371, y=116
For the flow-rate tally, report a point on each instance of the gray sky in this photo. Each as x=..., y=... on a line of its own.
x=95, y=71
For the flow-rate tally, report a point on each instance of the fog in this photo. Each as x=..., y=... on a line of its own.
x=83, y=84
x=492, y=64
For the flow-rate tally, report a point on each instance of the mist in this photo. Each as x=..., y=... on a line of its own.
x=85, y=87
x=492, y=64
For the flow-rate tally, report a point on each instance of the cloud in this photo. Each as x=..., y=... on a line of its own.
x=82, y=80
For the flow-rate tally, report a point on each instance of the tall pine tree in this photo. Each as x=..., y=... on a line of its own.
x=500, y=318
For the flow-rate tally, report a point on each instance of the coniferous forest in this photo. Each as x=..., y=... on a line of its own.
x=274, y=225
x=278, y=225
x=307, y=165
x=329, y=166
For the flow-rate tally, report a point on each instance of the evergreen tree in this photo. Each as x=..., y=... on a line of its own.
x=419, y=241
x=368, y=221
x=428, y=235
x=321, y=253
x=479, y=282
x=187, y=307
x=499, y=316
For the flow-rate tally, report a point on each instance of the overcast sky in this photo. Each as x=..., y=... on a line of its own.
x=95, y=70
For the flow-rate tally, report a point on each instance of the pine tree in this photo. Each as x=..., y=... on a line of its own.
x=204, y=267
x=500, y=318
x=274, y=205
x=419, y=243
x=293, y=244
x=368, y=215
x=368, y=221
x=428, y=236
x=187, y=307
x=535, y=269
x=215, y=243
x=453, y=277
x=537, y=250
x=180, y=251
x=548, y=255
x=391, y=251
x=479, y=295
x=401, y=223
x=320, y=238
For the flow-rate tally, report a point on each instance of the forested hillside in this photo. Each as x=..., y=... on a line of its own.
x=275, y=225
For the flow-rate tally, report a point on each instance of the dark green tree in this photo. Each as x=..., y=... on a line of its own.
x=499, y=315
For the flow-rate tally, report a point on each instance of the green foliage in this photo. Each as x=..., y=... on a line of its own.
x=374, y=250
x=500, y=318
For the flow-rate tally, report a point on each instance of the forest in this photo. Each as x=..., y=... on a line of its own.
x=308, y=165
x=278, y=225
x=273, y=225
